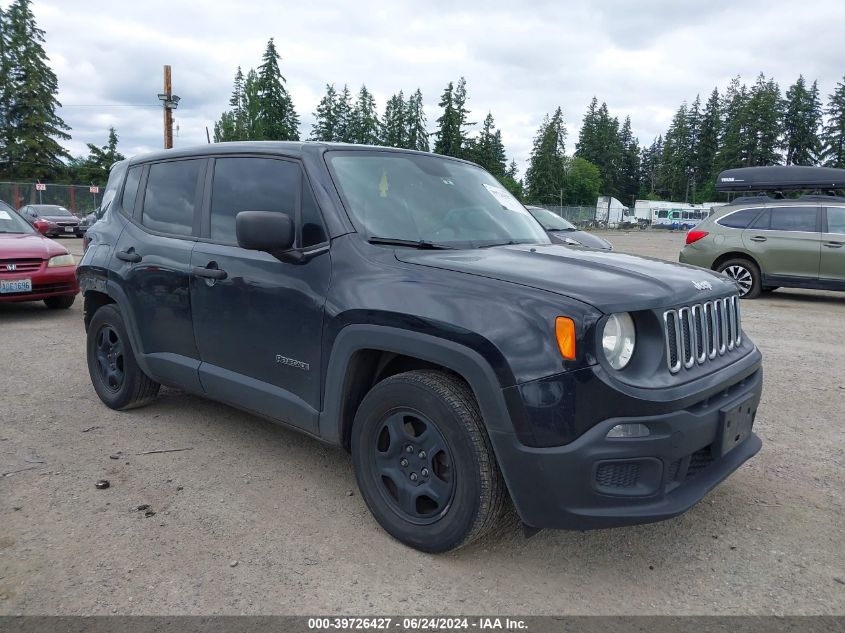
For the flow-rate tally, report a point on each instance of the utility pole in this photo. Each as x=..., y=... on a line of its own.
x=170, y=102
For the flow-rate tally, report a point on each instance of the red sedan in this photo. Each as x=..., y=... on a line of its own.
x=33, y=267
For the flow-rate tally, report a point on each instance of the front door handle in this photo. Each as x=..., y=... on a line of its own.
x=758, y=238
x=833, y=244
x=129, y=256
x=209, y=273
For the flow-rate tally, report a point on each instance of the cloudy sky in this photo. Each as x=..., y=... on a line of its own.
x=521, y=60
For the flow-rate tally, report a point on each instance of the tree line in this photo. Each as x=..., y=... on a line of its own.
x=745, y=126
x=741, y=126
x=30, y=129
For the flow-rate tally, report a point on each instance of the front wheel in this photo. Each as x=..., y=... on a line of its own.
x=115, y=374
x=746, y=274
x=424, y=463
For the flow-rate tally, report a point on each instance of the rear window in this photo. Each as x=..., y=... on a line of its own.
x=116, y=174
x=738, y=219
x=170, y=196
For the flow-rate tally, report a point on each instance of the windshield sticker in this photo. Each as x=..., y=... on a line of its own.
x=382, y=185
x=4, y=215
x=504, y=197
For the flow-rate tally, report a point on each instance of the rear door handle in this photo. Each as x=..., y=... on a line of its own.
x=833, y=244
x=129, y=256
x=757, y=238
x=209, y=273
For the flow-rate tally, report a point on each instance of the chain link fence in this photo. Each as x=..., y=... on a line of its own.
x=582, y=217
x=79, y=199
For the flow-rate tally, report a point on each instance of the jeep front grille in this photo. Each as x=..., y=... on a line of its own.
x=699, y=333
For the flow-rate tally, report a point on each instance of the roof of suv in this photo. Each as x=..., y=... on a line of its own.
x=289, y=148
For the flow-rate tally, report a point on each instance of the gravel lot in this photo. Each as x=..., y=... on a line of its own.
x=258, y=519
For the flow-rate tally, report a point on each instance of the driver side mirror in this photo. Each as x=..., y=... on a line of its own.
x=267, y=231
x=41, y=226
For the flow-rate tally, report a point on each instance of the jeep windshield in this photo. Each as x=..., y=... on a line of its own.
x=417, y=199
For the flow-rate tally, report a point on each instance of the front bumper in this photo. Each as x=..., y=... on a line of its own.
x=600, y=482
x=46, y=282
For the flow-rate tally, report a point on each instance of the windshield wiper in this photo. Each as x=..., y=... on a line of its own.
x=421, y=244
x=508, y=243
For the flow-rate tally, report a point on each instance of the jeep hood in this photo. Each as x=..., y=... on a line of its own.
x=609, y=281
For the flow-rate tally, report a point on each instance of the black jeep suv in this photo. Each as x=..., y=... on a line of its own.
x=406, y=307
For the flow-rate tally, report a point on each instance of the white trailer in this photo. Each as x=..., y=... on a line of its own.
x=611, y=213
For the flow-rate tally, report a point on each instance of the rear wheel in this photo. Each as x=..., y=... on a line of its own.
x=59, y=303
x=424, y=463
x=746, y=274
x=118, y=380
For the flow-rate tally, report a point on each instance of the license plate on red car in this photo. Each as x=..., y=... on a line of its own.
x=8, y=286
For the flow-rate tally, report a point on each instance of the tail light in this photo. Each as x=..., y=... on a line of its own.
x=694, y=236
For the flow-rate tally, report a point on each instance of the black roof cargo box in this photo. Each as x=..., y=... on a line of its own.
x=780, y=178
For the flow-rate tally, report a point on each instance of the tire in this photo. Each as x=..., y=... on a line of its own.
x=747, y=275
x=60, y=303
x=115, y=374
x=459, y=494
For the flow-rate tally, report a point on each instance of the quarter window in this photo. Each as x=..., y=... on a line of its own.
x=130, y=190
x=739, y=219
x=250, y=184
x=794, y=219
x=836, y=220
x=169, y=199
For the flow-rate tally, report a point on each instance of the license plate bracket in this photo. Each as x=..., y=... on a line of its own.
x=736, y=424
x=69, y=229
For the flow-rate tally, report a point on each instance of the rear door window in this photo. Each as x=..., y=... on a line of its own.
x=836, y=220
x=794, y=219
x=738, y=219
x=171, y=195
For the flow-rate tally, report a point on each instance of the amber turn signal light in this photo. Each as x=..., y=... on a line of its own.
x=565, y=333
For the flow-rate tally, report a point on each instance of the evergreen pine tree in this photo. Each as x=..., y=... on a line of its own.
x=764, y=118
x=708, y=147
x=833, y=133
x=416, y=136
x=733, y=146
x=588, y=145
x=33, y=127
x=801, y=121
x=364, y=125
x=277, y=118
x=651, y=174
x=488, y=149
x=598, y=143
x=677, y=156
x=325, y=126
x=629, y=171
x=451, y=138
x=343, y=114
x=5, y=87
x=546, y=173
x=395, y=121
x=252, y=107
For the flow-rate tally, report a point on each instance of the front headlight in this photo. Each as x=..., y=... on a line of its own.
x=618, y=339
x=61, y=260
